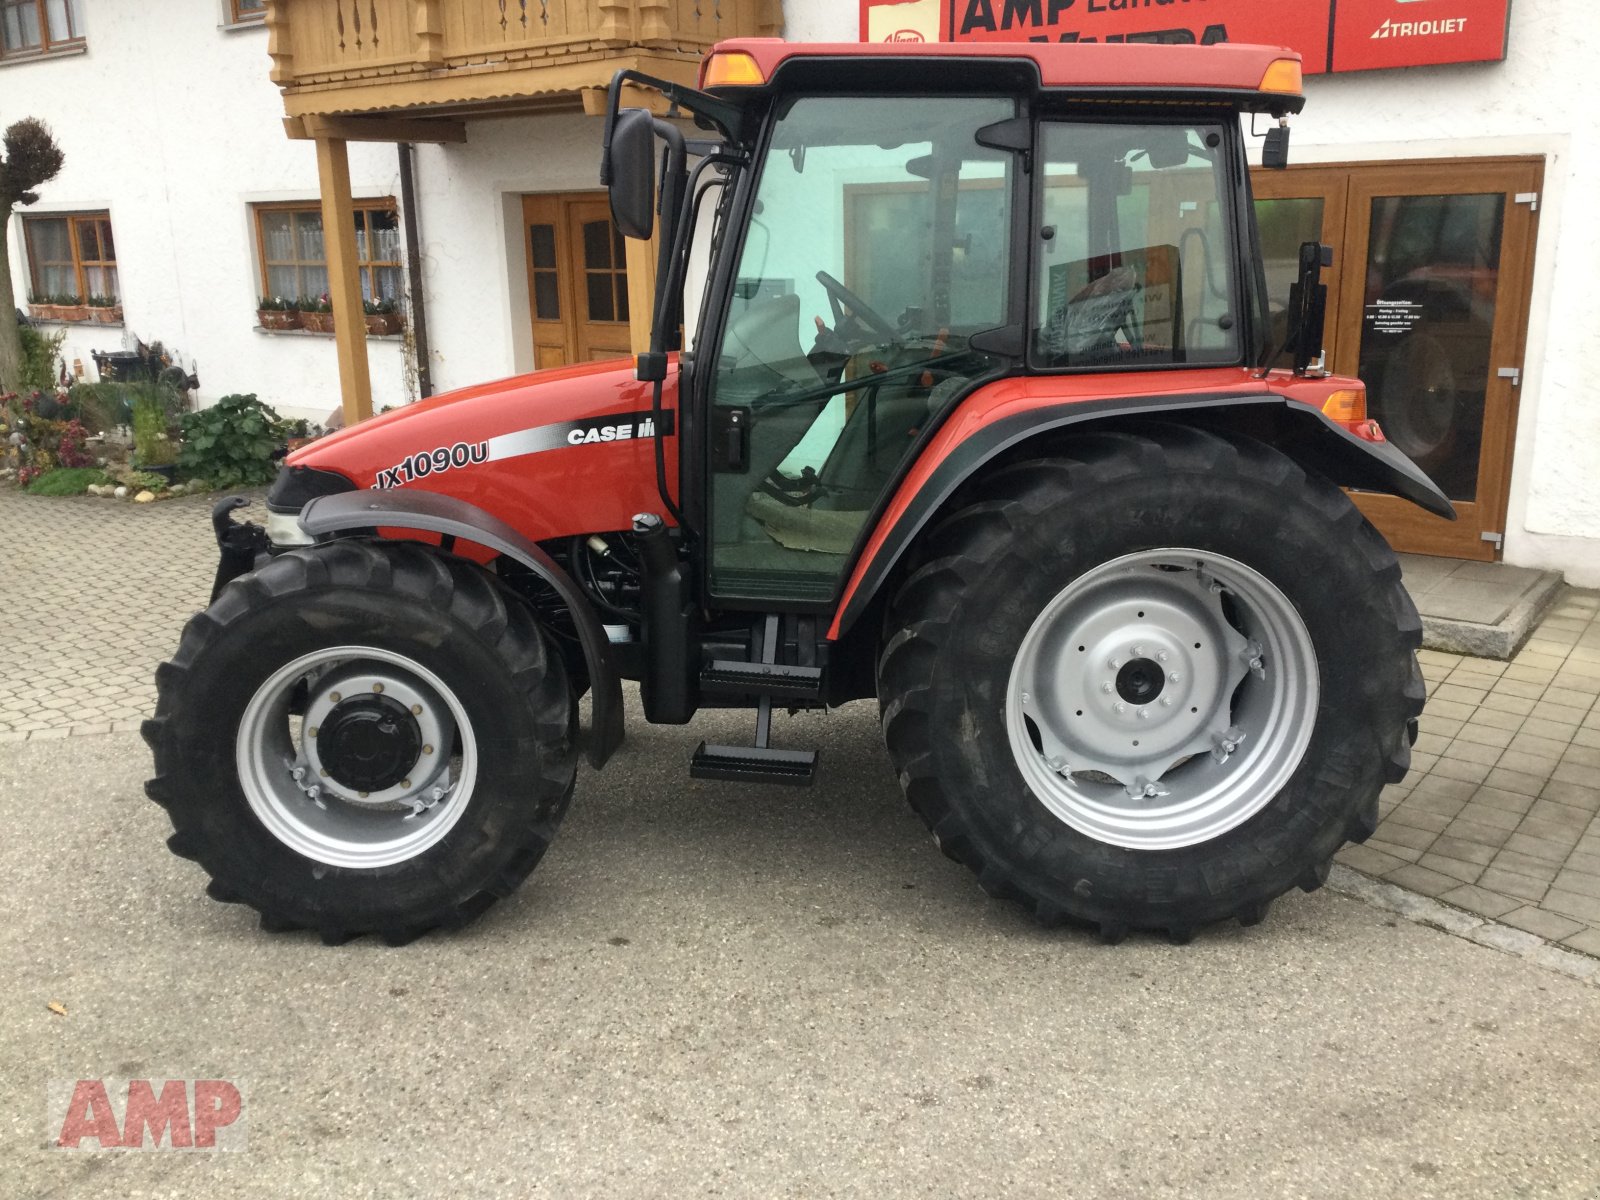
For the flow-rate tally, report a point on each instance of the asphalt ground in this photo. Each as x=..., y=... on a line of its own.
x=707, y=989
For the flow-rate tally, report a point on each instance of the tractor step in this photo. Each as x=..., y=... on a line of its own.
x=754, y=764
x=731, y=677
x=765, y=680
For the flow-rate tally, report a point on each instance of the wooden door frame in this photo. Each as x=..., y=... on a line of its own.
x=1409, y=527
x=550, y=208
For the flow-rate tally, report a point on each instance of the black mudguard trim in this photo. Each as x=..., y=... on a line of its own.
x=1343, y=458
x=434, y=513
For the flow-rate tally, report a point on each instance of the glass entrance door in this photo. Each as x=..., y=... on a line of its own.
x=1427, y=305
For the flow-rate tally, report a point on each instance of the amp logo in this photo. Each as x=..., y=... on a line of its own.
x=146, y=1114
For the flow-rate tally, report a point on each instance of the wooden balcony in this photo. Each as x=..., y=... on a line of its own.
x=465, y=58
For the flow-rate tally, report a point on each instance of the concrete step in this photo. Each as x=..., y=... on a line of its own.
x=1487, y=610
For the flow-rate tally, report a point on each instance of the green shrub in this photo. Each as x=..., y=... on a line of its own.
x=66, y=481
x=151, y=446
x=231, y=443
x=39, y=352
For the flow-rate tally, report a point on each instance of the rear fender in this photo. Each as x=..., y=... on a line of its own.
x=1318, y=444
x=432, y=512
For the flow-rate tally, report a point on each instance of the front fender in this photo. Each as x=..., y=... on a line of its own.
x=432, y=512
x=1298, y=430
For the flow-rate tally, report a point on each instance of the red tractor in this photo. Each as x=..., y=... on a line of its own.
x=976, y=418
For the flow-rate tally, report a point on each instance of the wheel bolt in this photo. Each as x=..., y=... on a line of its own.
x=1144, y=714
x=335, y=697
x=377, y=687
x=1025, y=698
x=1175, y=677
x=427, y=749
x=1116, y=664
x=1137, y=651
x=363, y=795
x=1166, y=701
x=323, y=773
x=1121, y=708
x=416, y=710
x=1161, y=656
x=312, y=732
x=405, y=783
x=1107, y=688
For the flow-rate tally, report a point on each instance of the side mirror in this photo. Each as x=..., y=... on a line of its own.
x=1275, y=150
x=630, y=172
x=1308, y=305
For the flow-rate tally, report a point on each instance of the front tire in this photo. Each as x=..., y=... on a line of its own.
x=1153, y=683
x=363, y=738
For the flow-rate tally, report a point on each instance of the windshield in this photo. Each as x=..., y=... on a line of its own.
x=877, y=246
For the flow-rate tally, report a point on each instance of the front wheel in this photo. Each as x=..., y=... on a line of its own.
x=1153, y=683
x=363, y=738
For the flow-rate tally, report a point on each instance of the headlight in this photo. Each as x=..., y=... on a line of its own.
x=283, y=529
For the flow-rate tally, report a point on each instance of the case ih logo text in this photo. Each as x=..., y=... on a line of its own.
x=146, y=1114
x=1391, y=29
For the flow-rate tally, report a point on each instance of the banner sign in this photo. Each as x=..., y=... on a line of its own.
x=1331, y=35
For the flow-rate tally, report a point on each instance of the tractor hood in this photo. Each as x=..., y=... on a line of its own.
x=562, y=451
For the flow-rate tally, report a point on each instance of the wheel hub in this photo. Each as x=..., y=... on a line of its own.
x=1141, y=681
x=1135, y=689
x=369, y=742
x=356, y=756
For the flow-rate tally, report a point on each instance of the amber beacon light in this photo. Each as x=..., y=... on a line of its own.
x=732, y=68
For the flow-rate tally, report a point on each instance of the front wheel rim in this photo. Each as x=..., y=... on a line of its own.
x=352, y=822
x=1162, y=699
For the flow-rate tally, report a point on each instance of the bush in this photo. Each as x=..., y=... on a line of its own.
x=232, y=443
x=66, y=481
x=150, y=442
x=39, y=353
x=100, y=406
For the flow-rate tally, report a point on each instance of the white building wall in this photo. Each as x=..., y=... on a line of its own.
x=174, y=126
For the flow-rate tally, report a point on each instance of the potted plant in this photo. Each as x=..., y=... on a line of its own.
x=42, y=308
x=105, y=309
x=71, y=308
x=275, y=312
x=383, y=316
x=316, y=314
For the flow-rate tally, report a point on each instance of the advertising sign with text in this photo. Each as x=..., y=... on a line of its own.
x=1331, y=35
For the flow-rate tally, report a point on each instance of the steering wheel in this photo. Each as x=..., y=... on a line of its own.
x=841, y=298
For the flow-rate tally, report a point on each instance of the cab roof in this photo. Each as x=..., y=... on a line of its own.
x=1232, y=70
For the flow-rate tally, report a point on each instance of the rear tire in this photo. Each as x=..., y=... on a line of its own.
x=356, y=831
x=1022, y=563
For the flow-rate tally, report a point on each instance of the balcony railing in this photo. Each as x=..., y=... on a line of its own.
x=344, y=56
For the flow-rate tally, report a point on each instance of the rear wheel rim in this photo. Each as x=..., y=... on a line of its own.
x=1162, y=699
x=314, y=804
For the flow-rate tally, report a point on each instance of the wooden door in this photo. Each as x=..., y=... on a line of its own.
x=577, y=279
x=1428, y=303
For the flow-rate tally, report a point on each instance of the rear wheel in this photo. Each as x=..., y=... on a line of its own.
x=1153, y=683
x=363, y=739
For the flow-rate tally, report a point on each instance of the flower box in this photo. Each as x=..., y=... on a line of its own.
x=379, y=324
x=278, y=318
x=72, y=312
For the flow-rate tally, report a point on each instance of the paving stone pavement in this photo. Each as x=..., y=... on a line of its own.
x=1498, y=816
x=93, y=594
